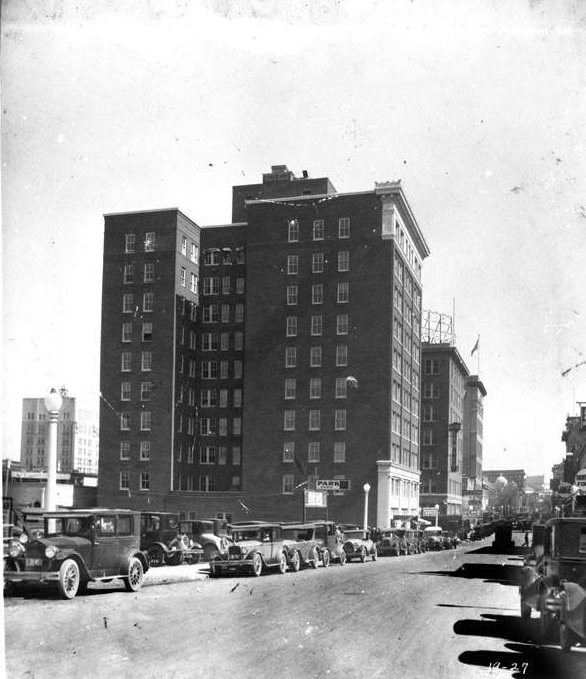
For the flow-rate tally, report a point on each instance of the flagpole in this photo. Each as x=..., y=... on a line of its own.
x=478, y=358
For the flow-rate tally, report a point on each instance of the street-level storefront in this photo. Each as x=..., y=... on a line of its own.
x=398, y=492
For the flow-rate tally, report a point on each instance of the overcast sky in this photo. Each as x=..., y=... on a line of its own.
x=478, y=106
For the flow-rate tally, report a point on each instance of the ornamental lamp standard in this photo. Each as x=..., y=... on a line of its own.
x=366, y=488
x=436, y=507
x=53, y=404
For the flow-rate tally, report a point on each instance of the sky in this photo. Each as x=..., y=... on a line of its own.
x=478, y=106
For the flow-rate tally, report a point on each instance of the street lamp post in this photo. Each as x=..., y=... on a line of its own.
x=366, y=488
x=53, y=404
x=436, y=507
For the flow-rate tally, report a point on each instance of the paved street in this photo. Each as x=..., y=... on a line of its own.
x=441, y=614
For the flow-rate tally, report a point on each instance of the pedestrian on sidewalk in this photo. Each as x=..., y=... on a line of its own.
x=526, y=540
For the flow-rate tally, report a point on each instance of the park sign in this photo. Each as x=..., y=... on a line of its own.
x=332, y=484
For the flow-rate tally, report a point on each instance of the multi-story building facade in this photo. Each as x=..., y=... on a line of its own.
x=77, y=436
x=443, y=383
x=472, y=490
x=305, y=363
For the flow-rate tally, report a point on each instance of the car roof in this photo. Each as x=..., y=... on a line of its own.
x=257, y=524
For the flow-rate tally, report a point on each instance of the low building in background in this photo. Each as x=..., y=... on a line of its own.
x=507, y=494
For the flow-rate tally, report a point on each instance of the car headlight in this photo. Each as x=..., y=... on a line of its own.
x=51, y=551
x=15, y=550
x=23, y=537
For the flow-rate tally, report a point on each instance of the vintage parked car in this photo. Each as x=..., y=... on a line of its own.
x=434, y=538
x=78, y=547
x=329, y=536
x=414, y=540
x=255, y=547
x=302, y=547
x=163, y=542
x=392, y=542
x=358, y=545
x=554, y=583
x=211, y=534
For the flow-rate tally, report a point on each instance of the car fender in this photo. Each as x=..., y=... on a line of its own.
x=69, y=554
x=142, y=557
x=157, y=543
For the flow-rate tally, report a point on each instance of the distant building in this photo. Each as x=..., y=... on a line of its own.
x=443, y=383
x=508, y=487
x=77, y=436
x=473, y=497
x=574, y=436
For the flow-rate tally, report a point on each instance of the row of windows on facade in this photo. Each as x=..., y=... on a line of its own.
x=315, y=388
x=212, y=398
x=214, y=426
x=148, y=243
x=403, y=365
x=405, y=455
x=318, y=229
x=209, y=455
x=226, y=256
x=407, y=337
x=404, y=427
x=317, y=294
x=209, y=341
x=144, y=448
x=410, y=311
x=318, y=262
x=145, y=420
x=403, y=395
x=211, y=285
x=316, y=356
x=205, y=483
x=314, y=420
x=216, y=313
x=430, y=485
x=316, y=325
x=314, y=452
x=409, y=251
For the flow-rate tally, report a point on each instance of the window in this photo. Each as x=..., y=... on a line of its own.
x=148, y=272
x=222, y=454
x=317, y=262
x=315, y=357
x=223, y=426
x=293, y=231
x=184, y=245
x=224, y=341
x=149, y=242
x=291, y=327
x=239, y=313
x=145, y=481
x=193, y=283
x=183, y=277
x=342, y=324
x=148, y=301
x=289, y=420
x=209, y=398
x=124, y=480
x=237, y=398
x=340, y=451
x=125, y=391
x=210, y=314
x=341, y=387
x=146, y=361
x=343, y=260
x=225, y=313
x=209, y=370
x=318, y=229
x=237, y=370
x=127, y=303
x=206, y=483
x=130, y=242
x=237, y=426
x=224, y=370
x=236, y=456
x=145, y=450
x=315, y=387
x=240, y=285
x=126, y=362
x=292, y=264
x=344, y=227
x=430, y=413
x=127, y=332
x=317, y=293
x=289, y=451
x=316, y=325
x=431, y=366
x=290, y=357
x=430, y=390
x=125, y=450
x=211, y=257
x=128, y=273
x=314, y=420
x=290, y=386
x=193, y=253
x=145, y=391
x=225, y=285
x=124, y=421
x=147, y=332
x=145, y=420
x=287, y=484
x=209, y=341
x=341, y=355
x=208, y=455
x=340, y=420
x=208, y=426
x=211, y=285
x=343, y=293
x=313, y=452
x=192, y=340
x=223, y=398
x=292, y=295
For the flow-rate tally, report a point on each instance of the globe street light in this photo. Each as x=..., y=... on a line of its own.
x=366, y=488
x=436, y=507
x=53, y=404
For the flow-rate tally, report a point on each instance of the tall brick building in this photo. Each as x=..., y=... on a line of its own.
x=296, y=357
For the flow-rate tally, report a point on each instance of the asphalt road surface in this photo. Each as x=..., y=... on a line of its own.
x=442, y=614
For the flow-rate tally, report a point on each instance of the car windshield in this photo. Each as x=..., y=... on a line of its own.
x=67, y=525
x=354, y=534
x=248, y=534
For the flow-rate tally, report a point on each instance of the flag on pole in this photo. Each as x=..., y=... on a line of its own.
x=475, y=346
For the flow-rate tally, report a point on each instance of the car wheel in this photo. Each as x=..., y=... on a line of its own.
x=282, y=563
x=256, y=565
x=525, y=610
x=314, y=558
x=342, y=558
x=566, y=637
x=374, y=554
x=133, y=582
x=210, y=552
x=325, y=558
x=156, y=556
x=295, y=562
x=192, y=559
x=362, y=555
x=10, y=566
x=69, y=579
x=175, y=558
x=397, y=550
